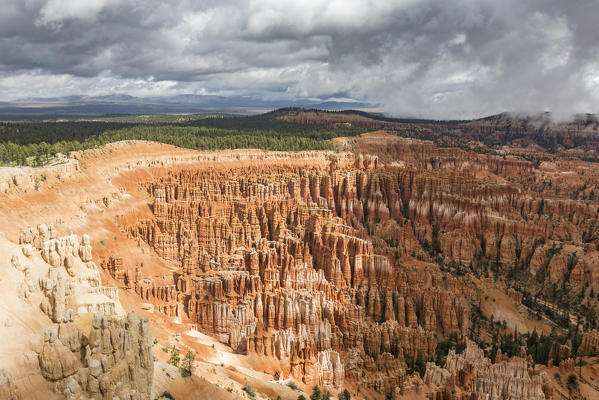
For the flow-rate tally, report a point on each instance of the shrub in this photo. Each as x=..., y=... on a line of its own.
x=572, y=381
x=175, y=357
x=249, y=390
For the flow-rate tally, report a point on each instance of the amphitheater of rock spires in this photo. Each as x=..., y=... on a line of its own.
x=281, y=271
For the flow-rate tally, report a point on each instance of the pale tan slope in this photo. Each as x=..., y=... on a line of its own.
x=22, y=323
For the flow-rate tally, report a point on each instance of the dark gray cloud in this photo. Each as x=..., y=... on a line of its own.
x=429, y=58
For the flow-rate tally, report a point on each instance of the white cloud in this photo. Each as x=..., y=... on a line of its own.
x=39, y=84
x=55, y=12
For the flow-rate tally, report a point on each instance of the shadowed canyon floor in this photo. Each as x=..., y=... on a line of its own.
x=392, y=268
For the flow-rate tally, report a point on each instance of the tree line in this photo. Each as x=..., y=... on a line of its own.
x=35, y=143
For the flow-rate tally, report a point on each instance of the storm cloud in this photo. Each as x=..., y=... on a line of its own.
x=433, y=59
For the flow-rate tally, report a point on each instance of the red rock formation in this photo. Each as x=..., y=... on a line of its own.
x=294, y=261
x=515, y=295
x=271, y=263
x=475, y=375
x=590, y=342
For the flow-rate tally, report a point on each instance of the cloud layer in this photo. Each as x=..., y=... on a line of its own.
x=427, y=58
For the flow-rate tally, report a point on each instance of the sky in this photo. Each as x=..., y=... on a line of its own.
x=412, y=58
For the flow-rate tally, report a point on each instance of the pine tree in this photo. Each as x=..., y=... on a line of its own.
x=316, y=393
x=344, y=395
x=419, y=365
x=187, y=368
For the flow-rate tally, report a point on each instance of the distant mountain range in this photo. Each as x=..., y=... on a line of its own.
x=123, y=104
